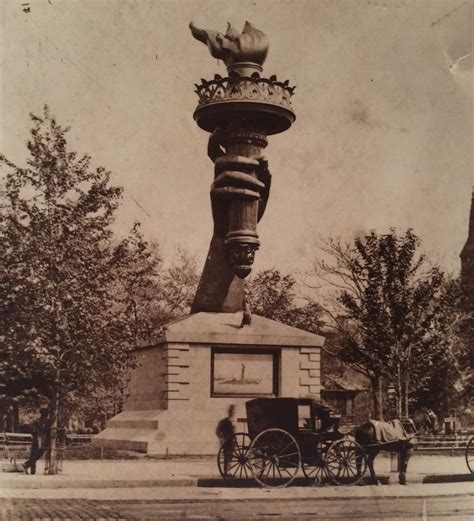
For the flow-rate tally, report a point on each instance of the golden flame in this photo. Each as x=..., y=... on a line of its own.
x=251, y=45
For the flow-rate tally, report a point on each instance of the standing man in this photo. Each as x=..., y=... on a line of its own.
x=224, y=431
x=40, y=442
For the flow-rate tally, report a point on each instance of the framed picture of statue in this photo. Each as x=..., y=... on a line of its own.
x=237, y=372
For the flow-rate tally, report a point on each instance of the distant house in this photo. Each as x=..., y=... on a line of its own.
x=348, y=398
x=345, y=390
x=348, y=395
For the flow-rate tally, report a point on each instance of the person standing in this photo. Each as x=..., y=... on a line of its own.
x=40, y=441
x=224, y=431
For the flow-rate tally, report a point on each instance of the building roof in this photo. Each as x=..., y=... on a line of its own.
x=341, y=383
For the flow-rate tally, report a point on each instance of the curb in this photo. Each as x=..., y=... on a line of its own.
x=67, y=483
x=448, y=478
x=46, y=483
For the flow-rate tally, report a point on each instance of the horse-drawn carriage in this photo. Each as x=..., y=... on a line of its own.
x=286, y=434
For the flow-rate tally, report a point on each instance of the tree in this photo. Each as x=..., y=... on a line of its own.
x=386, y=312
x=136, y=287
x=180, y=281
x=452, y=363
x=148, y=295
x=59, y=335
x=273, y=295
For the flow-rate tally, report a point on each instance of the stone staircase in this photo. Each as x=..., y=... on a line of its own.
x=130, y=430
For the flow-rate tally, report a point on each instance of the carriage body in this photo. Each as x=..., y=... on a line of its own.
x=284, y=435
x=295, y=415
x=310, y=422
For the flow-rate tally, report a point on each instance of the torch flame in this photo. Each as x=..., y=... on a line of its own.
x=249, y=46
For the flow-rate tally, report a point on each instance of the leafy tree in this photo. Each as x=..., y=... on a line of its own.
x=273, y=295
x=180, y=281
x=148, y=295
x=386, y=312
x=452, y=363
x=137, y=284
x=58, y=333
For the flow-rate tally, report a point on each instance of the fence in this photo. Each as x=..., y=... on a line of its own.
x=443, y=442
x=15, y=444
x=15, y=438
x=19, y=439
x=78, y=439
x=11, y=442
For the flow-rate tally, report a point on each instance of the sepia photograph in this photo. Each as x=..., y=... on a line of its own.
x=242, y=374
x=237, y=260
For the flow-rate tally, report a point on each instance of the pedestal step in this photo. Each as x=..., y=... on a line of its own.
x=135, y=420
x=129, y=430
x=117, y=423
x=125, y=439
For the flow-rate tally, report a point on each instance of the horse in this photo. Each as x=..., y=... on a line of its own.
x=426, y=421
x=399, y=439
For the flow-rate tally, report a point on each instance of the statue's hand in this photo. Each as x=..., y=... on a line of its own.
x=214, y=147
x=265, y=177
x=232, y=181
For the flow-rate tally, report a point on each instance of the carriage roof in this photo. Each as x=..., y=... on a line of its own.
x=283, y=413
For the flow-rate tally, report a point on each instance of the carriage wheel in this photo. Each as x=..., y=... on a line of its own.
x=274, y=458
x=470, y=455
x=236, y=449
x=346, y=463
x=315, y=467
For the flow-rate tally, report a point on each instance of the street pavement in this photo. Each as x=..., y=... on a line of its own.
x=452, y=508
x=127, y=478
x=191, y=489
x=188, y=469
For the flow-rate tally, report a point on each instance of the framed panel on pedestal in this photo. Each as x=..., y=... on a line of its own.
x=244, y=372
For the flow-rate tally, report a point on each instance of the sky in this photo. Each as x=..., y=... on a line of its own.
x=383, y=135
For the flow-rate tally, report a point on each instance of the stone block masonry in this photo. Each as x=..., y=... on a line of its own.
x=310, y=365
x=171, y=408
x=177, y=362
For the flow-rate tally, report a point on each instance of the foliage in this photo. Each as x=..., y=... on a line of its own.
x=273, y=295
x=74, y=300
x=148, y=295
x=387, y=310
x=59, y=332
x=137, y=263
x=179, y=284
x=451, y=364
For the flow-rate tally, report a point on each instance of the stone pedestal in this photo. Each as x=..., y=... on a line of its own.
x=172, y=405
